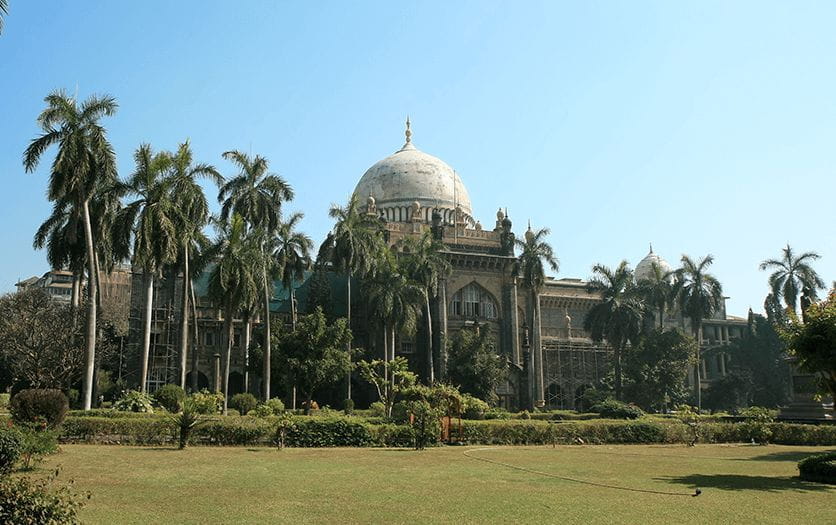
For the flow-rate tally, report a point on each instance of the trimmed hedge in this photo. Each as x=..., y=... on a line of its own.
x=35, y=404
x=820, y=468
x=339, y=431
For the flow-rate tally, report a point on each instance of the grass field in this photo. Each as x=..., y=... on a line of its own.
x=739, y=483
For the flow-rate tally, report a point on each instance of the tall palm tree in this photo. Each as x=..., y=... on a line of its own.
x=659, y=290
x=292, y=254
x=234, y=278
x=793, y=276
x=85, y=159
x=256, y=195
x=351, y=247
x=4, y=10
x=423, y=261
x=618, y=317
x=151, y=220
x=536, y=254
x=192, y=215
x=700, y=295
x=62, y=234
x=396, y=302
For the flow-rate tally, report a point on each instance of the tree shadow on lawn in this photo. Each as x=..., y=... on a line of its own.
x=786, y=456
x=745, y=482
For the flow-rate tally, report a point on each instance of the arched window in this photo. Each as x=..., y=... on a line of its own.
x=473, y=301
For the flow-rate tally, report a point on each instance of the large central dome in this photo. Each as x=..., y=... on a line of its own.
x=409, y=176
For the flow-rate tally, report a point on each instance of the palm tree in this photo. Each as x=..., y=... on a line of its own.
x=292, y=254
x=793, y=276
x=62, y=234
x=396, y=302
x=351, y=247
x=192, y=215
x=618, y=317
x=85, y=159
x=234, y=278
x=700, y=295
x=426, y=265
x=535, y=255
x=659, y=290
x=151, y=220
x=256, y=195
x=4, y=10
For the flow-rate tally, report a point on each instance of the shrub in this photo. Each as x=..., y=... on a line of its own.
x=206, y=402
x=426, y=426
x=37, y=405
x=235, y=431
x=276, y=405
x=377, y=409
x=474, y=408
x=590, y=397
x=348, y=407
x=127, y=430
x=4, y=401
x=261, y=411
x=185, y=422
x=170, y=397
x=756, y=424
x=134, y=401
x=617, y=410
x=525, y=414
x=26, y=501
x=329, y=432
x=35, y=443
x=283, y=426
x=820, y=468
x=690, y=417
x=10, y=449
x=243, y=403
x=497, y=413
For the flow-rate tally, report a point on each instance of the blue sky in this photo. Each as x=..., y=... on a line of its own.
x=703, y=127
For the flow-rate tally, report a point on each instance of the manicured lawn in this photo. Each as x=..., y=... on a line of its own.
x=739, y=483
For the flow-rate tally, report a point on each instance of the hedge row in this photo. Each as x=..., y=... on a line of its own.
x=353, y=432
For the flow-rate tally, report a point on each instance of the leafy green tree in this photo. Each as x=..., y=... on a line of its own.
x=730, y=392
x=233, y=280
x=536, y=254
x=151, y=220
x=813, y=342
x=474, y=364
x=656, y=369
x=618, y=316
x=700, y=295
x=256, y=195
x=37, y=341
x=423, y=261
x=375, y=371
x=192, y=215
x=84, y=162
x=314, y=354
x=793, y=276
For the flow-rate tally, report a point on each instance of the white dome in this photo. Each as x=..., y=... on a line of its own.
x=644, y=270
x=409, y=176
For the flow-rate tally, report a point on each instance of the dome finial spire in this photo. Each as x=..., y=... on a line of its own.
x=651, y=247
x=408, y=131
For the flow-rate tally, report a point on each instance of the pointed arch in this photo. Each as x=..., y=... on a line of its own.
x=474, y=301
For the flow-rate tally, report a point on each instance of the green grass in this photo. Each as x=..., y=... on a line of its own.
x=740, y=483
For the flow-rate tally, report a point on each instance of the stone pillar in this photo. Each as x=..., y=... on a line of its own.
x=217, y=358
x=538, y=356
x=723, y=364
x=515, y=325
x=703, y=371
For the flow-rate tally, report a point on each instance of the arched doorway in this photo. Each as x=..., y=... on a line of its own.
x=202, y=380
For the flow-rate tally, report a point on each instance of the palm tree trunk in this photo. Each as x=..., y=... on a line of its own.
x=184, y=320
x=698, y=329
x=662, y=318
x=76, y=293
x=386, y=359
x=348, y=345
x=230, y=338
x=431, y=375
x=146, y=332
x=442, y=337
x=293, y=328
x=618, y=371
x=266, y=374
x=195, y=338
x=538, y=353
x=392, y=355
x=90, y=353
x=248, y=328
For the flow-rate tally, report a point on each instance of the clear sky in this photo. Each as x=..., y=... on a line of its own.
x=702, y=127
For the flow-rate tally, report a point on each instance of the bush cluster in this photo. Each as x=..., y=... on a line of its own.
x=243, y=402
x=473, y=407
x=207, y=403
x=617, y=410
x=820, y=468
x=134, y=401
x=170, y=397
x=4, y=401
x=10, y=449
x=39, y=405
x=23, y=500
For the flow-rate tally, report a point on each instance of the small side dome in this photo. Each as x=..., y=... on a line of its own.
x=644, y=270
